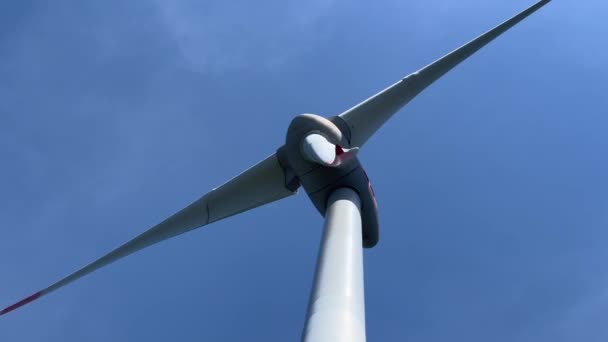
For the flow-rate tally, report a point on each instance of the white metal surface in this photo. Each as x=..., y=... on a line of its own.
x=336, y=312
x=317, y=149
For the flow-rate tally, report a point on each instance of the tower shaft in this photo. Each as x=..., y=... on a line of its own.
x=336, y=311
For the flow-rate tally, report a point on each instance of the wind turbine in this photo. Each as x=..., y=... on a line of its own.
x=320, y=154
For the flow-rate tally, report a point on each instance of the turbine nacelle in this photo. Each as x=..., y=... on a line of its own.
x=317, y=155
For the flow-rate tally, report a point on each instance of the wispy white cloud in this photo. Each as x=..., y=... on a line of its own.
x=244, y=34
x=75, y=136
x=585, y=316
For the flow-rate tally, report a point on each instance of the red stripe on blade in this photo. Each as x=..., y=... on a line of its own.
x=21, y=303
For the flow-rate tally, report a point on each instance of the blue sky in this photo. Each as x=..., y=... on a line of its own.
x=492, y=184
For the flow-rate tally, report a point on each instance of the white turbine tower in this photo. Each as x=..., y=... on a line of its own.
x=320, y=154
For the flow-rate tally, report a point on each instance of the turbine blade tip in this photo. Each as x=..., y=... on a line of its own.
x=21, y=303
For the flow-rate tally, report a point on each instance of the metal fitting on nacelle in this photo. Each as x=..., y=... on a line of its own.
x=308, y=159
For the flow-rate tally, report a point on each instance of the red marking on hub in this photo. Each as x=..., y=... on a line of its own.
x=21, y=303
x=339, y=150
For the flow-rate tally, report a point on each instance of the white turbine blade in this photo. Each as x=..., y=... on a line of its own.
x=261, y=184
x=367, y=117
